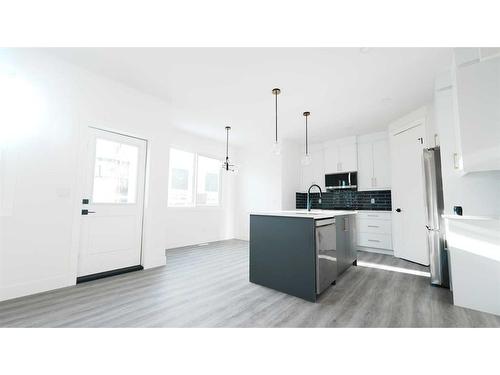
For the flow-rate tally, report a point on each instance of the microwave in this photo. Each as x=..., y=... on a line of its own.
x=347, y=180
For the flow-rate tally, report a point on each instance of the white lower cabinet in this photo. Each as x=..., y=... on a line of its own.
x=374, y=230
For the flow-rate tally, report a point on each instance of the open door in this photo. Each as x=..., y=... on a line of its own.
x=408, y=204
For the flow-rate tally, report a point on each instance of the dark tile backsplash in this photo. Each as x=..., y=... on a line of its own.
x=347, y=200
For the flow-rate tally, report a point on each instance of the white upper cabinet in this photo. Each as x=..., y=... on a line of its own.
x=466, y=56
x=332, y=161
x=341, y=155
x=365, y=165
x=374, y=171
x=381, y=164
x=471, y=55
x=477, y=109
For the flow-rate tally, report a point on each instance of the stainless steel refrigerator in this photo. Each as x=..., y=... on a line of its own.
x=433, y=188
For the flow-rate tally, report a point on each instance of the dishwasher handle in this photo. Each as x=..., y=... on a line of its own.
x=323, y=222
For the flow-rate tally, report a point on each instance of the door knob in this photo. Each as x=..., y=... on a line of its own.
x=398, y=209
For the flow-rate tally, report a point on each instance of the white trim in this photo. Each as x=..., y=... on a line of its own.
x=36, y=286
x=410, y=125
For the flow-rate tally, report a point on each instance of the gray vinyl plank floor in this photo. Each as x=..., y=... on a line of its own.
x=207, y=286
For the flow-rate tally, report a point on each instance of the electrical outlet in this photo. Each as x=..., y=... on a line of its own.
x=372, y=201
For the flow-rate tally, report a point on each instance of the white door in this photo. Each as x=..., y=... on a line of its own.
x=111, y=231
x=409, y=235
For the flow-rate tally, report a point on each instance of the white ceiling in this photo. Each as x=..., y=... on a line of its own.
x=347, y=90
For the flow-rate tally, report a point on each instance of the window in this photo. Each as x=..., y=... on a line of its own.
x=115, y=172
x=207, y=191
x=181, y=178
x=190, y=173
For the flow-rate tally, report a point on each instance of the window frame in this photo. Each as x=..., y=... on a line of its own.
x=195, y=204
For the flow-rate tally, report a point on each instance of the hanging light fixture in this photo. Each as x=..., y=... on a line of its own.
x=226, y=165
x=306, y=160
x=276, y=144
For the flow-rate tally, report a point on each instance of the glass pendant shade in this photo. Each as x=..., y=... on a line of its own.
x=306, y=160
x=276, y=148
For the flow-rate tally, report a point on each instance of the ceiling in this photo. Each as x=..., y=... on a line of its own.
x=348, y=91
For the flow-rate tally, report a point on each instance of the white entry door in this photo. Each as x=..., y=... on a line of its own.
x=111, y=232
x=408, y=204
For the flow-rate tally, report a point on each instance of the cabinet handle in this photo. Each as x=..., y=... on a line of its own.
x=373, y=226
x=374, y=181
x=373, y=240
x=372, y=215
x=455, y=161
x=345, y=224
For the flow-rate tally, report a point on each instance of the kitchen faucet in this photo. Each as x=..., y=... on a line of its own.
x=308, y=196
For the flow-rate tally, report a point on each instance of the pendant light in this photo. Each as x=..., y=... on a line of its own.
x=306, y=160
x=226, y=165
x=276, y=144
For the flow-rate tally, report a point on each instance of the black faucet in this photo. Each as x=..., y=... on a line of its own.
x=308, y=198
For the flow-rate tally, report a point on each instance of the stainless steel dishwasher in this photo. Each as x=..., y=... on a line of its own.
x=326, y=253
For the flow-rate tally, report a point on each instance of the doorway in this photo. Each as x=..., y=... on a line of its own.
x=112, y=205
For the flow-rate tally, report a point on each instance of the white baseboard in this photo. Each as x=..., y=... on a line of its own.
x=34, y=287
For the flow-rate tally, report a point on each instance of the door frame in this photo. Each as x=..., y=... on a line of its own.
x=83, y=147
x=395, y=131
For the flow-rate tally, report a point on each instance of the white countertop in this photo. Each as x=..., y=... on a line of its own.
x=313, y=214
x=469, y=217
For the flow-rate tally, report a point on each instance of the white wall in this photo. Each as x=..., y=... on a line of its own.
x=258, y=185
x=39, y=232
x=291, y=154
x=194, y=225
x=478, y=193
x=265, y=181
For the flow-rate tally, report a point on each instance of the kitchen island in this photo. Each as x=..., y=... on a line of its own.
x=300, y=252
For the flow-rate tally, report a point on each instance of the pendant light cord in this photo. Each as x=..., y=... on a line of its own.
x=227, y=144
x=276, y=112
x=307, y=150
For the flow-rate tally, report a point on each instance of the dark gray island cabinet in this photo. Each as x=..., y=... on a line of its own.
x=300, y=253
